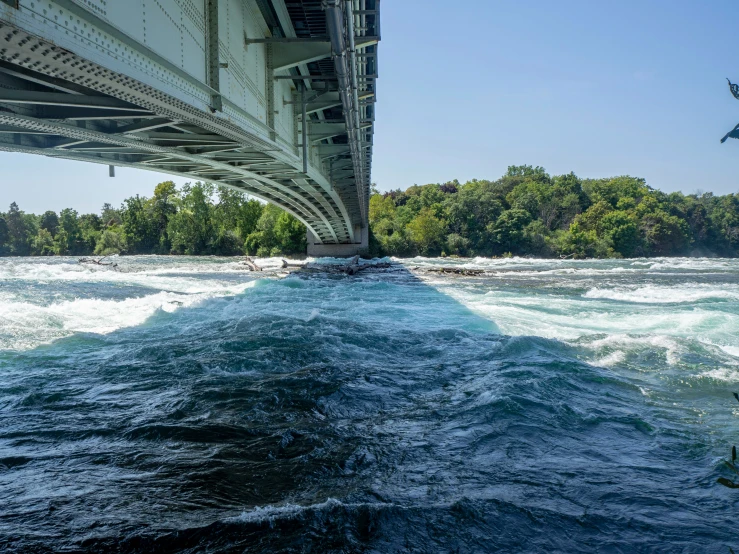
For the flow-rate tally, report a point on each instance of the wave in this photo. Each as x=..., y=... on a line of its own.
x=282, y=409
x=654, y=294
x=27, y=325
x=636, y=264
x=180, y=277
x=263, y=514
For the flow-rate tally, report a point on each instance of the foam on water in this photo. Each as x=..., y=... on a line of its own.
x=27, y=324
x=30, y=318
x=651, y=294
x=184, y=404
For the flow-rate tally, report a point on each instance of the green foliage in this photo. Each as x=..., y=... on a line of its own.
x=110, y=215
x=529, y=212
x=471, y=209
x=526, y=212
x=20, y=231
x=112, y=241
x=290, y=235
x=276, y=232
x=508, y=231
x=191, y=228
x=43, y=243
x=139, y=225
x=49, y=222
x=427, y=232
x=4, y=237
x=69, y=235
x=457, y=244
x=186, y=221
x=91, y=228
x=621, y=228
x=664, y=234
x=163, y=206
x=613, y=189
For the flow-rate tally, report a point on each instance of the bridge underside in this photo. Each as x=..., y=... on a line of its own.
x=59, y=103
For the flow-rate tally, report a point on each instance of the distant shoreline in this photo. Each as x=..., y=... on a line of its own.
x=525, y=213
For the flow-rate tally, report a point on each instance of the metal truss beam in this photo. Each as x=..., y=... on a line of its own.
x=311, y=213
x=286, y=55
x=118, y=101
x=10, y=96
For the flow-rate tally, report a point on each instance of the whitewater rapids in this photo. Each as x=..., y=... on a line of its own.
x=544, y=405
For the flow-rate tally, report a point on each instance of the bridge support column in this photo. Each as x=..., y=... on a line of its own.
x=319, y=250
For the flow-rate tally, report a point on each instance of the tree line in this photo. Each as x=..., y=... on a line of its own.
x=527, y=212
x=196, y=219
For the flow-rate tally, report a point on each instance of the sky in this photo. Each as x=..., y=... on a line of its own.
x=468, y=88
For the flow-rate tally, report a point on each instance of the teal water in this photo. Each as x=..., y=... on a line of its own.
x=184, y=404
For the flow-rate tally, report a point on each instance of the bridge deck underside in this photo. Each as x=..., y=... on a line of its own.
x=55, y=103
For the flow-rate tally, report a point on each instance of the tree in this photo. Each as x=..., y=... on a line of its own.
x=142, y=236
x=613, y=189
x=163, y=206
x=263, y=240
x=90, y=230
x=471, y=210
x=110, y=215
x=61, y=243
x=290, y=234
x=526, y=212
x=508, y=231
x=72, y=234
x=249, y=214
x=427, y=232
x=4, y=237
x=590, y=219
x=621, y=228
x=112, y=241
x=537, y=173
x=191, y=228
x=664, y=234
x=457, y=244
x=234, y=217
x=50, y=222
x=43, y=243
x=20, y=231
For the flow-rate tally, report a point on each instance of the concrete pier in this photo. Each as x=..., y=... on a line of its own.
x=318, y=250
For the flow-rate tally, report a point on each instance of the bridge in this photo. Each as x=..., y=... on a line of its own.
x=275, y=98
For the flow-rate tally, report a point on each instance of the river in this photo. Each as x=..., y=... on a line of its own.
x=185, y=404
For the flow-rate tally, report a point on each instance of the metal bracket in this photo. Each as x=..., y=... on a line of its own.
x=214, y=65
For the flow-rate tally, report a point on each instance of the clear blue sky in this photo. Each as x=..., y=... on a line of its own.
x=467, y=88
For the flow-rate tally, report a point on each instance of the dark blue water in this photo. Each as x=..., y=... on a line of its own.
x=186, y=405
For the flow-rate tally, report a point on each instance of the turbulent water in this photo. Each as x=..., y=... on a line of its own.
x=183, y=404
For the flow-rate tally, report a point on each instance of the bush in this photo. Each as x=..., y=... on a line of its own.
x=111, y=241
